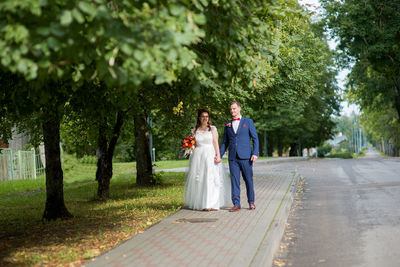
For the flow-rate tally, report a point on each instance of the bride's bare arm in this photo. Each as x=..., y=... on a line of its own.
x=216, y=146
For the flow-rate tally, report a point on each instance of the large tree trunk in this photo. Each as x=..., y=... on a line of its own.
x=293, y=150
x=55, y=207
x=144, y=168
x=265, y=144
x=280, y=147
x=104, y=170
x=300, y=150
x=270, y=145
x=397, y=101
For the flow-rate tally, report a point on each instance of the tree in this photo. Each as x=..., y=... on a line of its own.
x=382, y=125
x=296, y=109
x=369, y=38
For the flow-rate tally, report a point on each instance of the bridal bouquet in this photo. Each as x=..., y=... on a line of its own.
x=188, y=144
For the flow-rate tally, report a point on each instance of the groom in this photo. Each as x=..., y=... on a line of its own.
x=238, y=134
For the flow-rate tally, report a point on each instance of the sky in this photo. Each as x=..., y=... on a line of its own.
x=347, y=108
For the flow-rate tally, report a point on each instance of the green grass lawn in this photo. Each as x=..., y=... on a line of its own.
x=159, y=165
x=76, y=172
x=96, y=226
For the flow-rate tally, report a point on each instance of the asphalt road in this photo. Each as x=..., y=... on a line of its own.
x=348, y=215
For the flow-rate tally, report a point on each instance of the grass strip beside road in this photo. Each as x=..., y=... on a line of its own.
x=76, y=172
x=96, y=226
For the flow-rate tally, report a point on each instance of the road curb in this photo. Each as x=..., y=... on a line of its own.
x=282, y=159
x=272, y=238
x=260, y=161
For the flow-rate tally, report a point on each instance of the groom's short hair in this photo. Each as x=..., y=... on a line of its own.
x=237, y=103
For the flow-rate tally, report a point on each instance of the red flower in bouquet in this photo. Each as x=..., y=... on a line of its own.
x=188, y=144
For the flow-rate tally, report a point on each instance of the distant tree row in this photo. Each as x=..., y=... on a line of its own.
x=369, y=40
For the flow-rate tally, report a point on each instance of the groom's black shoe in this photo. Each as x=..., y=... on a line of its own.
x=252, y=207
x=235, y=208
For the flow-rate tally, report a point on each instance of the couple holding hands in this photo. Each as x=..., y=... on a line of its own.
x=207, y=185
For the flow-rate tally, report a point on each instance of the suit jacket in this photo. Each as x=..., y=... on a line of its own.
x=240, y=143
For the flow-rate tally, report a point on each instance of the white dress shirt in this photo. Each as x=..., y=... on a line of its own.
x=235, y=124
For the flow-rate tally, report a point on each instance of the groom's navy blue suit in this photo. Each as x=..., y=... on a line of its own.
x=240, y=152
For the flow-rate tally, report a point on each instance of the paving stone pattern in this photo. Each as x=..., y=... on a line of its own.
x=216, y=238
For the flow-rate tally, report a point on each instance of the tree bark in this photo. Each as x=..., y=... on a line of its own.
x=104, y=170
x=55, y=206
x=293, y=150
x=300, y=150
x=397, y=101
x=270, y=145
x=265, y=144
x=280, y=147
x=144, y=168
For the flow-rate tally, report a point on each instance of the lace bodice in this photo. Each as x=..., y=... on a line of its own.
x=204, y=138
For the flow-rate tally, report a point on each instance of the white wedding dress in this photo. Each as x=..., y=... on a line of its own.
x=207, y=184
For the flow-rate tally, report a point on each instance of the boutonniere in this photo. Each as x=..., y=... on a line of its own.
x=229, y=124
x=244, y=125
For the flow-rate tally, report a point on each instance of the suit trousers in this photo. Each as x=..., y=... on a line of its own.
x=244, y=166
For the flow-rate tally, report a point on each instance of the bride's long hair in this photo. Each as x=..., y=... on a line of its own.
x=198, y=123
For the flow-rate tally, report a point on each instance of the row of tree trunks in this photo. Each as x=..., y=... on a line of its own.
x=397, y=99
x=106, y=150
x=267, y=143
x=144, y=167
x=55, y=206
x=268, y=147
x=293, y=152
x=280, y=147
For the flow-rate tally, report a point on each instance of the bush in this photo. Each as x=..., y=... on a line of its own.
x=343, y=155
x=343, y=146
x=125, y=152
x=324, y=150
x=88, y=159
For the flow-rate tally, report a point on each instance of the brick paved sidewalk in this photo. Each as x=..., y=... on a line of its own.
x=216, y=238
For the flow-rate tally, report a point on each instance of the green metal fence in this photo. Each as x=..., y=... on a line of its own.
x=39, y=165
x=20, y=165
x=6, y=164
x=26, y=164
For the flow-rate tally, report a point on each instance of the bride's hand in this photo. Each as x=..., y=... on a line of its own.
x=217, y=159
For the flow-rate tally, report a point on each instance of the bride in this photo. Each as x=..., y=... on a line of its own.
x=207, y=185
